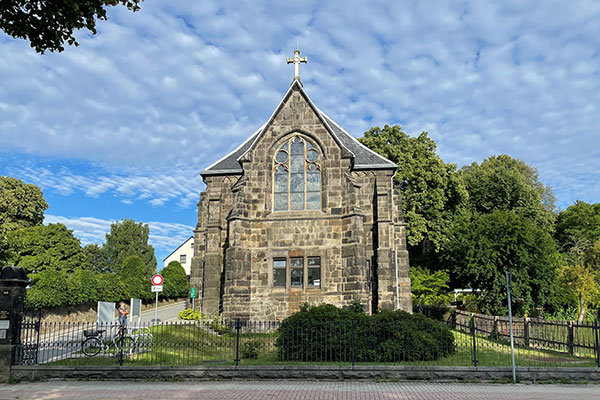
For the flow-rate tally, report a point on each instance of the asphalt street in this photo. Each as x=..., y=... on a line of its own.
x=294, y=390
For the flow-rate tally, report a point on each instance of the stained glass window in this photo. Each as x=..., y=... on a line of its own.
x=297, y=176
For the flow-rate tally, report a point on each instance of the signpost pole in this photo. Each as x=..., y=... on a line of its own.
x=156, y=310
x=157, y=281
x=510, y=323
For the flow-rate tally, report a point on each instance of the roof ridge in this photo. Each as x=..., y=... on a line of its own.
x=356, y=139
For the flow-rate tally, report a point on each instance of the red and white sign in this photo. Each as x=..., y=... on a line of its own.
x=157, y=279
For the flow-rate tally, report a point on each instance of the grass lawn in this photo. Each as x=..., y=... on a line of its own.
x=197, y=345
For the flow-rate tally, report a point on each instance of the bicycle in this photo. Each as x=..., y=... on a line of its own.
x=93, y=343
x=142, y=338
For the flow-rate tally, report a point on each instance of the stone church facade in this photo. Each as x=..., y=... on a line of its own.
x=300, y=212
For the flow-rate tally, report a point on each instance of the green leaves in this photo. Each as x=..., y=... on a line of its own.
x=176, y=284
x=504, y=183
x=21, y=205
x=39, y=248
x=485, y=246
x=430, y=288
x=431, y=192
x=49, y=24
x=129, y=238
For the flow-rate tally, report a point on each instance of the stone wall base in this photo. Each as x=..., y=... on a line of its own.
x=486, y=374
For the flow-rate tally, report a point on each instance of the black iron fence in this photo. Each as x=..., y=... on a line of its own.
x=477, y=340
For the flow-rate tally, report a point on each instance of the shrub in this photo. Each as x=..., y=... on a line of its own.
x=189, y=314
x=324, y=333
x=251, y=349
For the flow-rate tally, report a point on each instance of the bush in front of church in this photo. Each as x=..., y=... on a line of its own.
x=327, y=333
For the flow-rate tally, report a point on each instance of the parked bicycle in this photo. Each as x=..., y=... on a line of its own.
x=142, y=338
x=94, y=343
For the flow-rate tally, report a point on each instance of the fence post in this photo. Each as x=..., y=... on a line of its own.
x=13, y=281
x=596, y=327
x=495, y=327
x=472, y=328
x=526, y=331
x=353, y=343
x=238, y=324
x=570, y=337
x=121, y=340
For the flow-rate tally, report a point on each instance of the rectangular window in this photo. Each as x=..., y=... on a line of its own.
x=279, y=267
x=182, y=259
x=297, y=271
x=314, y=271
x=192, y=245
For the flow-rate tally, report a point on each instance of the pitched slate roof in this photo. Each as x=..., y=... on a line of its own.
x=363, y=157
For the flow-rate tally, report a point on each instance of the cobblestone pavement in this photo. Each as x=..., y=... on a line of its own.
x=301, y=390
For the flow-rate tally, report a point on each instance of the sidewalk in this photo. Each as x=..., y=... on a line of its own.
x=293, y=390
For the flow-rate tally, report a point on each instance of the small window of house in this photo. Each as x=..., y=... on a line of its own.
x=279, y=267
x=182, y=259
x=297, y=271
x=314, y=271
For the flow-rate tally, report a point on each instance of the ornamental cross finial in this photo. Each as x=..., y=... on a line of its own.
x=297, y=60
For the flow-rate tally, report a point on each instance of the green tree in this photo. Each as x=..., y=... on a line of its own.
x=48, y=24
x=129, y=238
x=21, y=205
x=95, y=258
x=176, y=284
x=135, y=283
x=485, y=246
x=504, y=183
x=432, y=192
x=41, y=248
x=578, y=225
x=430, y=288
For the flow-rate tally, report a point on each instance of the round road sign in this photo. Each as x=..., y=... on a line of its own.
x=157, y=279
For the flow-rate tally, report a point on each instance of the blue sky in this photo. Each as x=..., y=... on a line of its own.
x=121, y=126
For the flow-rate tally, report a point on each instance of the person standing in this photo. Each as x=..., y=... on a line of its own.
x=123, y=312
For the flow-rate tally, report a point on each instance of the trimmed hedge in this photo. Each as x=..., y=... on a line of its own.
x=325, y=333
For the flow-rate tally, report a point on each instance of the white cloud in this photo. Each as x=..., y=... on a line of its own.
x=164, y=236
x=182, y=83
x=156, y=188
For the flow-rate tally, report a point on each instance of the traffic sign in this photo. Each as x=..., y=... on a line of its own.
x=156, y=288
x=157, y=279
x=193, y=293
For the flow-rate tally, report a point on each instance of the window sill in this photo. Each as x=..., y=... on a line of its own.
x=296, y=213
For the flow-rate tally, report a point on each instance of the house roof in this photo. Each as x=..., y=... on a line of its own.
x=363, y=157
x=178, y=247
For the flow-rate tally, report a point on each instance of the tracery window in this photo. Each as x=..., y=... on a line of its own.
x=297, y=176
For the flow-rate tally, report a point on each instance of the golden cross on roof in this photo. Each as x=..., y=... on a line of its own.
x=297, y=60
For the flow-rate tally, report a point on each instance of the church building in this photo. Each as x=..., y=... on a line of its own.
x=299, y=212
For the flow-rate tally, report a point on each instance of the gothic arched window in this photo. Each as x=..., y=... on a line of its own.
x=297, y=176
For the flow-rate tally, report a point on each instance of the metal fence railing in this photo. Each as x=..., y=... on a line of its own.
x=475, y=340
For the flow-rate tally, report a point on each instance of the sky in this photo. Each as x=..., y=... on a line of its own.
x=121, y=126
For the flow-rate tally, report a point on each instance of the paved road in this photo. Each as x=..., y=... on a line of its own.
x=294, y=390
x=167, y=313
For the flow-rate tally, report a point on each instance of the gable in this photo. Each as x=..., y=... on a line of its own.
x=362, y=157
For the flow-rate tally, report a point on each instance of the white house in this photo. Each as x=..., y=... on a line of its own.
x=182, y=254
